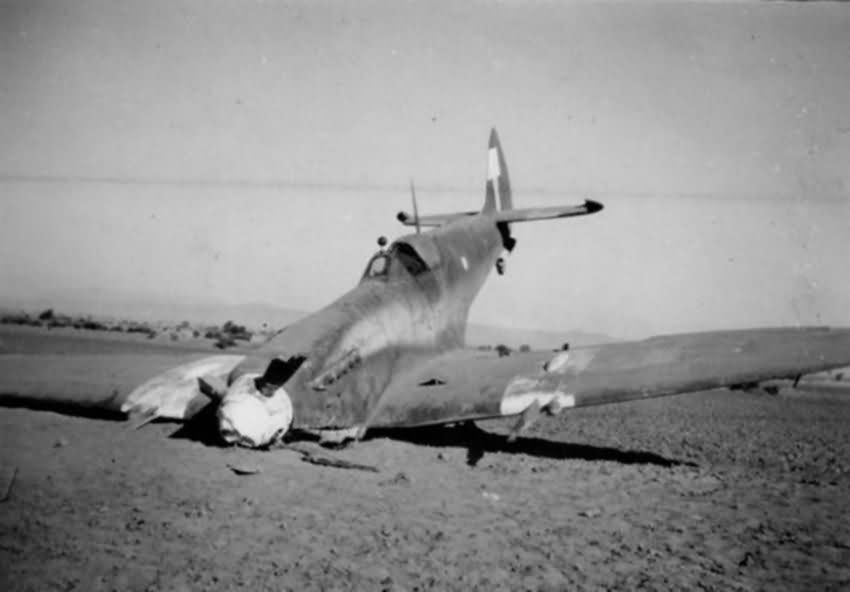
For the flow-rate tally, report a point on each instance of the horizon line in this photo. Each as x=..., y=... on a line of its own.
x=403, y=187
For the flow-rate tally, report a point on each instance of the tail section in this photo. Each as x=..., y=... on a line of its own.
x=498, y=198
x=498, y=201
x=498, y=189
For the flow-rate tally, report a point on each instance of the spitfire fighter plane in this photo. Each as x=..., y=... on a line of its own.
x=390, y=352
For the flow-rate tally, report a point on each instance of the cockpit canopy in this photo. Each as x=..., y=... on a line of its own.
x=379, y=265
x=413, y=254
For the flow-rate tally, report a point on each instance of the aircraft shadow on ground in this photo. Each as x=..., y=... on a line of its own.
x=201, y=428
x=13, y=401
x=478, y=442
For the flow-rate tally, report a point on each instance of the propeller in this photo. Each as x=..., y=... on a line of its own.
x=415, y=208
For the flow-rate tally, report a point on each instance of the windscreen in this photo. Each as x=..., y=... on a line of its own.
x=409, y=258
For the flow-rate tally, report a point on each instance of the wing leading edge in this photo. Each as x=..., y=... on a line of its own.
x=464, y=385
x=456, y=386
x=113, y=383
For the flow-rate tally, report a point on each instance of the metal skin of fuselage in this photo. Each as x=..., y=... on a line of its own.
x=383, y=327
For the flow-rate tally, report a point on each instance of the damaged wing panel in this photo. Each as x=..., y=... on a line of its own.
x=466, y=385
x=455, y=386
x=115, y=384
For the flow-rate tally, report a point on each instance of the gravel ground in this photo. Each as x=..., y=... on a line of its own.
x=716, y=491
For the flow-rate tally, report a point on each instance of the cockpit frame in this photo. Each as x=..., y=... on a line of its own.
x=415, y=255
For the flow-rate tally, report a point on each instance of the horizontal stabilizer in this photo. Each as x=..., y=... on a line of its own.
x=514, y=215
x=433, y=219
x=547, y=213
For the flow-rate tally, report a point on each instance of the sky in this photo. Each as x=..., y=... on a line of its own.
x=236, y=152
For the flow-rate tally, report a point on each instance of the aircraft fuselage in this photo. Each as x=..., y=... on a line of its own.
x=411, y=304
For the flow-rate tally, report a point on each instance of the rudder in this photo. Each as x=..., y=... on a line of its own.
x=497, y=194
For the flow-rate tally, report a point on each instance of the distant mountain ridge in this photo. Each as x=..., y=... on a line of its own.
x=478, y=334
x=260, y=315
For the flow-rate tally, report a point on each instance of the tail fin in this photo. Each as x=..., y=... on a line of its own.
x=498, y=201
x=498, y=190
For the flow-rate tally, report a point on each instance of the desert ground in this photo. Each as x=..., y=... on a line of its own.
x=716, y=491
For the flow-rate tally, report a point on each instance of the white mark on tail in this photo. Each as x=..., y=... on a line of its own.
x=464, y=262
x=493, y=170
x=493, y=173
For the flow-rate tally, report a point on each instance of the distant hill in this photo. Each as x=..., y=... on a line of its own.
x=260, y=315
x=535, y=338
x=253, y=315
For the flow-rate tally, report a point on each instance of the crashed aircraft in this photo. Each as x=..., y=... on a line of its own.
x=390, y=352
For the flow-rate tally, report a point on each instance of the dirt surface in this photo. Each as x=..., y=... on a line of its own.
x=715, y=491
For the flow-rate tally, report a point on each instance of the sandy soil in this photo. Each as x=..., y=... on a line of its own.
x=714, y=491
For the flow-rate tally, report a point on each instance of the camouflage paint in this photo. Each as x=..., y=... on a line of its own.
x=477, y=386
x=383, y=326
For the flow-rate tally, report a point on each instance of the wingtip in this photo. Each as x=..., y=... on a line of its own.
x=593, y=206
x=494, y=138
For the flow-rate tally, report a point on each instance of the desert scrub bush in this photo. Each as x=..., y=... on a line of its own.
x=236, y=331
x=20, y=319
x=503, y=350
x=224, y=342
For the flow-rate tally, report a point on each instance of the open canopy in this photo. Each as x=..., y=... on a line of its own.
x=414, y=254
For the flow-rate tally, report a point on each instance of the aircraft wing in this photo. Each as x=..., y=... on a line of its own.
x=466, y=385
x=143, y=385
